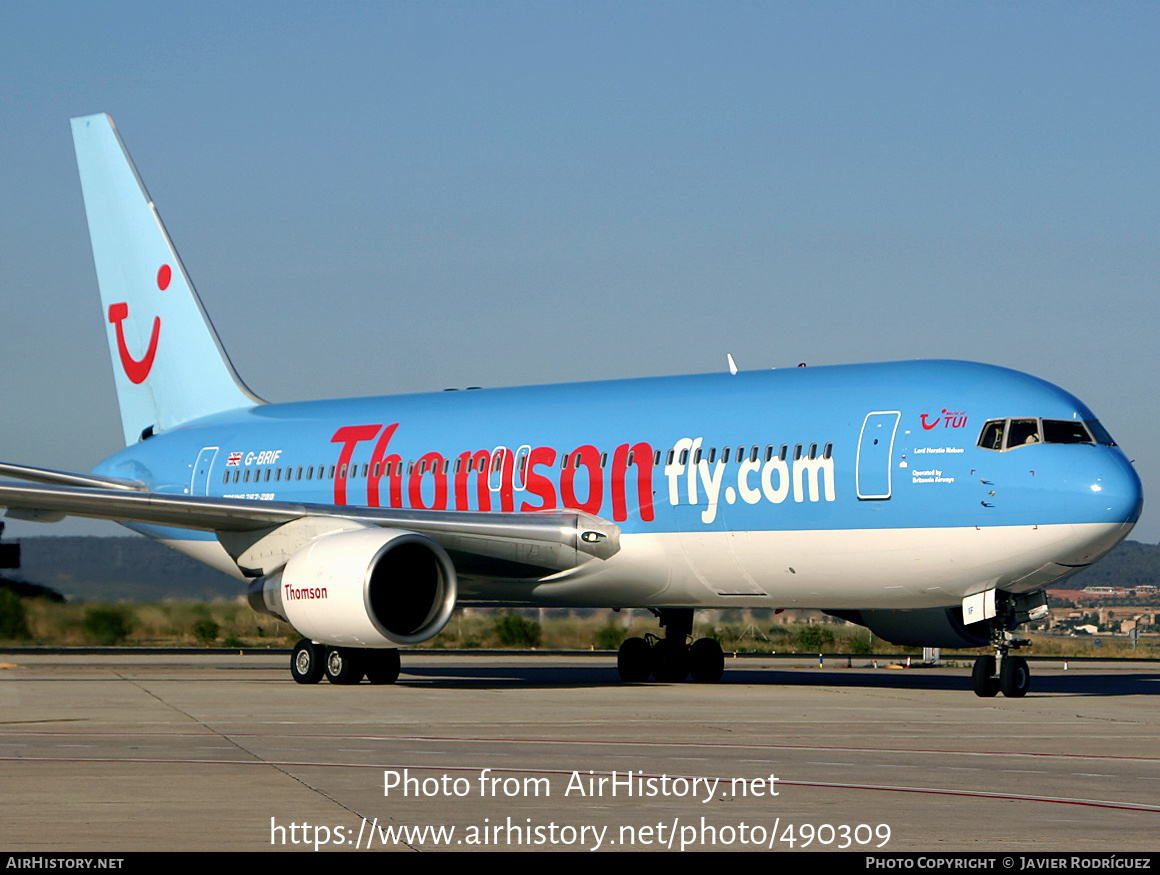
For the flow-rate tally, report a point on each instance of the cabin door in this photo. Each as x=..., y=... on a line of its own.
x=875, y=451
x=199, y=484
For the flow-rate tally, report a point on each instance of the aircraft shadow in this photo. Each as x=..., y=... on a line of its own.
x=1108, y=683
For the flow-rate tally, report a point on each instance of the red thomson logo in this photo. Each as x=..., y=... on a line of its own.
x=306, y=592
x=138, y=369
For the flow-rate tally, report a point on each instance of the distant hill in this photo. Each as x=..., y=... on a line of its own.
x=117, y=569
x=1130, y=564
x=137, y=569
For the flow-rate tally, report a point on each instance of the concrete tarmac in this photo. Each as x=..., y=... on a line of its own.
x=213, y=752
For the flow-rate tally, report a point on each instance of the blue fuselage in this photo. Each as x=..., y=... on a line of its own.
x=849, y=447
x=860, y=449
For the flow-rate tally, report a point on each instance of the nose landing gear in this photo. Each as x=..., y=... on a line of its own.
x=1013, y=678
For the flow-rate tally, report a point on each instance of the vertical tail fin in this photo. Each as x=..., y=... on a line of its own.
x=168, y=363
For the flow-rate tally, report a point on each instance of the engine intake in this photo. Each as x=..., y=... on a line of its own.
x=363, y=588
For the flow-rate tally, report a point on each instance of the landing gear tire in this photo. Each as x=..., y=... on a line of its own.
x=382, y=666
x=706, y=661
x=983, y=678
x=1014, y=677
x=344, y=665
x=307, y=662
x=670, y=661
x=634, y=660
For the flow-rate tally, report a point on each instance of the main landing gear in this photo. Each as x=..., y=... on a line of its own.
x=342, y=665
x=671, y=659
x=1012, y=677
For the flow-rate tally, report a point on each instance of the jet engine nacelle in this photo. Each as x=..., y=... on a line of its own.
x=925, y=627
x=364, y=588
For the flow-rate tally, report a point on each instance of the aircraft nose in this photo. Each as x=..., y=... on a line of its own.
x=1116, y=491
x=1109, y=500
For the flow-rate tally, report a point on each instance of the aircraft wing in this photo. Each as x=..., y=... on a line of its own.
x=261, y=535
x=67, y=478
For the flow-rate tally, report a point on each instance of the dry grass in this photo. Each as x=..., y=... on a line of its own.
x=172, y=624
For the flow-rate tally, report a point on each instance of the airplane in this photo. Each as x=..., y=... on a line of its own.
x=930, y=501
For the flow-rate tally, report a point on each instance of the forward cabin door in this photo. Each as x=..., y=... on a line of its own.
x=875, y=451
x=199, y=484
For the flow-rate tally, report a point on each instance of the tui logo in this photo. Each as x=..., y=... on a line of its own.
x=138, y=369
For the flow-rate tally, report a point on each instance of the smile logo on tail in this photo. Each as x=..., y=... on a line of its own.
x=138, y=370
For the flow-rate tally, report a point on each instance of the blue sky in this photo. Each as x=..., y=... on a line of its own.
x=397, y=197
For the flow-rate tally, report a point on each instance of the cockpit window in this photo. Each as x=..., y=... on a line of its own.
x=992, y=436
x=1007, y=434
x=1021, y=432
x=1065, y=431
x=1099, y=433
